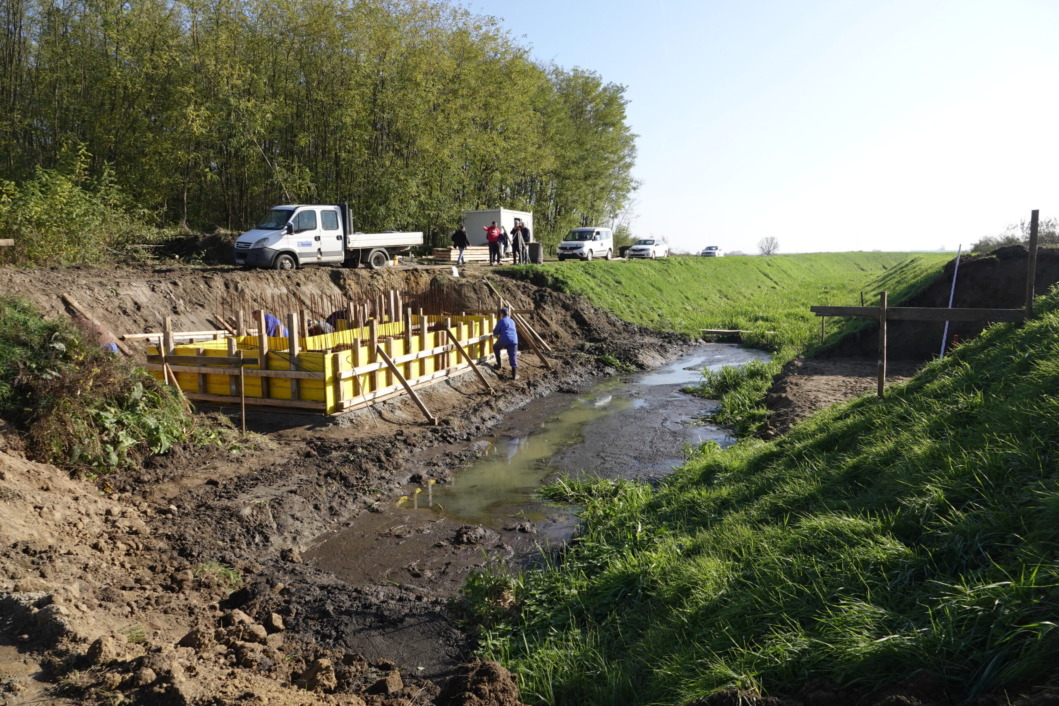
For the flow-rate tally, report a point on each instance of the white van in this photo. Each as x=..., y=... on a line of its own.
x=587, y=243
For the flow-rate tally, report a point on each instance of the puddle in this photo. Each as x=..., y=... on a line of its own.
x=632, y=426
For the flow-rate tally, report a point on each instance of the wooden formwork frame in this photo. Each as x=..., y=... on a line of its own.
x=381, y=376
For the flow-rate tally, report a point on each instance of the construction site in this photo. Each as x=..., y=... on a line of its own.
x=386, y=406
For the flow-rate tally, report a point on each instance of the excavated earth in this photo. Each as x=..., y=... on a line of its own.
x=184, y=582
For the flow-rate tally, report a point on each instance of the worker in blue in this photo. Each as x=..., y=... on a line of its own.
x=506, y=339
x=274, y=328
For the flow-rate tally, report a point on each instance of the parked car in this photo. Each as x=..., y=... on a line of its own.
x=649, y=248
x=587, y=243
x=712, y=251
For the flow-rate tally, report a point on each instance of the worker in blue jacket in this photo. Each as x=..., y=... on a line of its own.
x=506, y=338
x=274, y=328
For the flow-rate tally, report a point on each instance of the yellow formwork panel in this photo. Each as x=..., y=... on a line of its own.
x=312, y=357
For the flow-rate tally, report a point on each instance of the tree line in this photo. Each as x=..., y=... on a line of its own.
x=206, y=112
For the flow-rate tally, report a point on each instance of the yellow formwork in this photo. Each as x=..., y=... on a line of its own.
x=334, y=372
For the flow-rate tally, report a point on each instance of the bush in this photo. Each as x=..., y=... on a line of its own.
x=61, y=217
x=80, y=406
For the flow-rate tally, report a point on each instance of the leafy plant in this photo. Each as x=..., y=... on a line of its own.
x=219, y=574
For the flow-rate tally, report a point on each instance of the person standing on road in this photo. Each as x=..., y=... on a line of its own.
x=460, y=241
x=492, y=237
x=506, y=339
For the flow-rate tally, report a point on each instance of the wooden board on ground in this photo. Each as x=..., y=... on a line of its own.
x=7, y=243
x=476, y=253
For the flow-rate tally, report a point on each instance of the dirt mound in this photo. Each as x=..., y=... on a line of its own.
x=994, y=281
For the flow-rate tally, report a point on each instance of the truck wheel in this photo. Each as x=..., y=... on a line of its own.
x=284, y=262
x=610, y=254
x=378, y=260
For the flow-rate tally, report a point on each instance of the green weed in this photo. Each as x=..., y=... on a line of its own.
x=219, y=574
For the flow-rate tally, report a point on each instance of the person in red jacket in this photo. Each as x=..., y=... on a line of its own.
x=492, y=236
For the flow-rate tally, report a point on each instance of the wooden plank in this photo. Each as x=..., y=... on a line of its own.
x=81, y=311
x=400, y=378
x=176, y=334
x=217, y=361
x=262, y=350
x=259, y=401
x=7, y=243
x=913, y=313
x=231, y=370
x=470, y=360
x=220, y=321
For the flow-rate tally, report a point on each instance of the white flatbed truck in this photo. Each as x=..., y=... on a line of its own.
x=311, y=234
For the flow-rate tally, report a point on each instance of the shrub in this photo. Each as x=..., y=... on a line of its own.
x=61, y=217
x=80, y=406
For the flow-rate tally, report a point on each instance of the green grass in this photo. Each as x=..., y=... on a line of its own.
x=767, y=296
x=881, y=537
x=759, y=294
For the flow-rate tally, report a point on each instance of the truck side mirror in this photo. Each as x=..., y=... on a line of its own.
x=289, y=228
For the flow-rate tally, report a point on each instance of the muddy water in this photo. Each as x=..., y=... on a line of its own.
x=632, y=426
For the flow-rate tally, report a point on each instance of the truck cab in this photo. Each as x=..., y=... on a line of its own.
x=294, y=235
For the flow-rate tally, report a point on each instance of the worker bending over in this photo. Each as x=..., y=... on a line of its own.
x=506, y=338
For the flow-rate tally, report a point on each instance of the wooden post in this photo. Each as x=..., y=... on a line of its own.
x=167, y=335
x=1031, y=263
x=822, y=320
x=357, y=391
x=882, y=343
x=388, y=347
x=294, y=349
x=422, y=343
x=234, y=385
x=339, y=391
x=262, y=352
x=202, y=376
x=446, y=356
x=408, y=388
x=242, y=393
x=304, y=323
x=373, y=347
x=533, y=346
x=240, y=323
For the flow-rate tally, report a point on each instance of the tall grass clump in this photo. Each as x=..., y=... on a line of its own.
x=879, y=538
x=79, y=406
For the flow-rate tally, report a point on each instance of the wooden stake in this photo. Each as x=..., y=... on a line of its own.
x=408, y=388
x=1031, y=264
x=470, y=360
x=882, y=343
x=262, y=352
x=294, y=350
x=242, y=394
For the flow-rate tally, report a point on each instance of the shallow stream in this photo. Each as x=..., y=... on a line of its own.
x=631, y=426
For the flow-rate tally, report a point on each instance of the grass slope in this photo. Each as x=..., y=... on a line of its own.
x=878, y=538
x=686, y=294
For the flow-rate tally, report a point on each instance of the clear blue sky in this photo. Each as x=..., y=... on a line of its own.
x=832, y=125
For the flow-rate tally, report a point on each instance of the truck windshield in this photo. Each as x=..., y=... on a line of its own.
x=578, y=235
x=276, y=219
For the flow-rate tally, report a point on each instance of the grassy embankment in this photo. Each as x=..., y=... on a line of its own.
x=876, y=539
x=767, y=296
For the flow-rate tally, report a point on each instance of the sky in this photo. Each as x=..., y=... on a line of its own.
x=831, y=125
